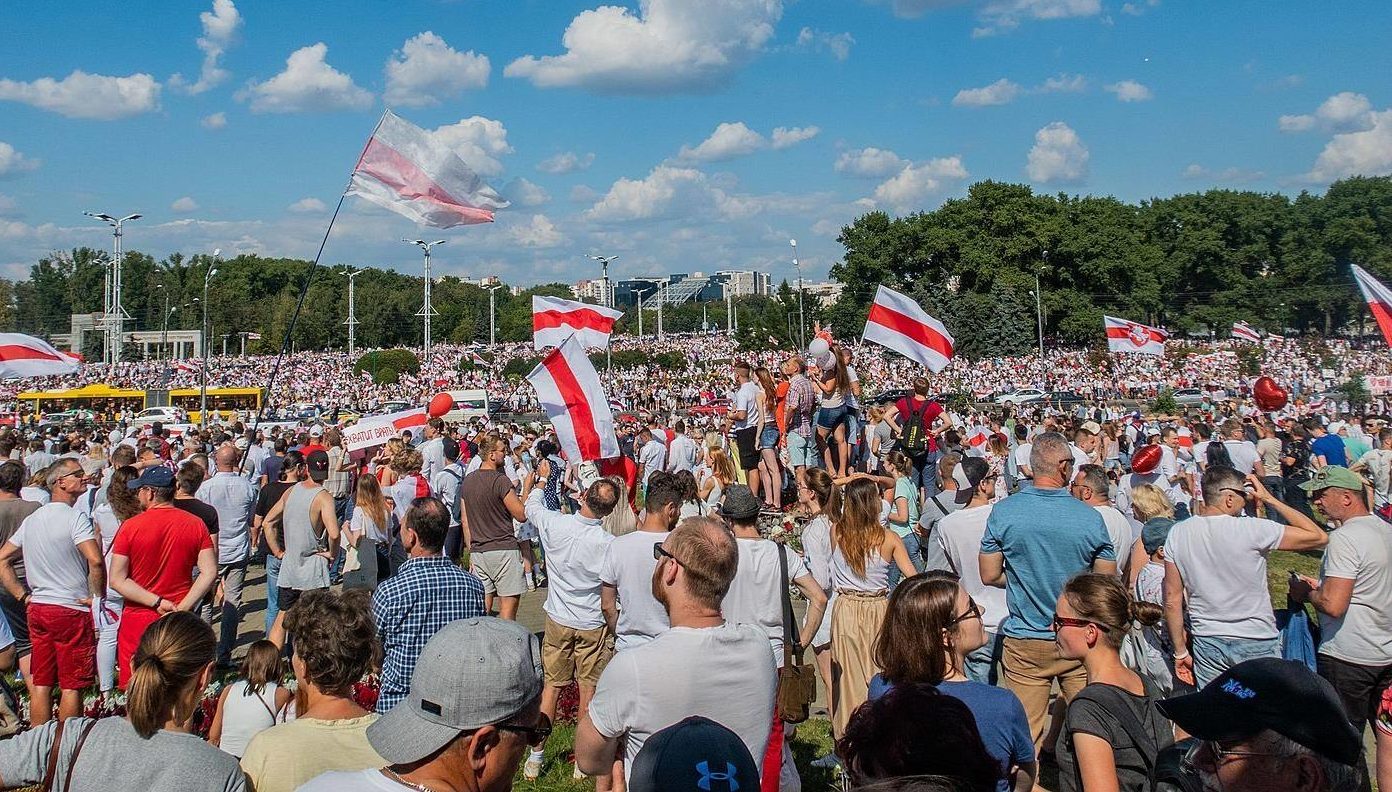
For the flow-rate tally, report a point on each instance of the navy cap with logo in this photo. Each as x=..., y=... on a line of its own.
x=157, y=476
x=1284, y=696
x=695, y=754
x=318, y=465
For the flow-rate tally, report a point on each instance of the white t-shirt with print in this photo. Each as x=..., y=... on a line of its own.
x=1223, y=562
x=55, y=570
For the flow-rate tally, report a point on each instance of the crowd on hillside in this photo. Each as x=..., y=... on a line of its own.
x=1081, y=588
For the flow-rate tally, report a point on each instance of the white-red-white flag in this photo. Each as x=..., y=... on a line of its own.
x=26, y=356
x=978, y=436
x=406, y=170
x=554, y=320
x=1246, y=332
x=1124, y=336
x=898, y=323
x=1379, y=299
x=570, y=393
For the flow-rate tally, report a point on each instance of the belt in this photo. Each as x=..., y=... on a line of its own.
x=864, y=595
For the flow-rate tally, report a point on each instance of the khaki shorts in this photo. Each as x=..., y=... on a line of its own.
x=500, y=571
x=569, y=654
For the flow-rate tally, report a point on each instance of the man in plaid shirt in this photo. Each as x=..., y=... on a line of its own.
x=802, y=400
x=427, y=593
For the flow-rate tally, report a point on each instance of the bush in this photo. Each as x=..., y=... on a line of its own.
x=385, y=375
x=520, y=367
x=1355, y=390
x=1249, y=361
x=1165, y=404
x=395, y=360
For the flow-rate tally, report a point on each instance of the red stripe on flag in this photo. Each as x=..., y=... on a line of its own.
x=388, y=166
x=580, y=319
x=577, y=404
x=915, y=330
x=419, y=419
x=1383, y=315
x=21, y=352
x=1122, y=332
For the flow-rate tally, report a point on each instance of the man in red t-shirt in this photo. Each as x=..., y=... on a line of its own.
x=925, y=464
x=150, y=561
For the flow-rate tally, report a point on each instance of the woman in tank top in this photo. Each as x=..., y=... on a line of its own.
x=721, y=476
x=861, y=555
x=251, y=704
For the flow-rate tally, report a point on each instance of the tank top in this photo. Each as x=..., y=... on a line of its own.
x=876, y=577
x=713, y=497
x=246, y=714
x=301, y=569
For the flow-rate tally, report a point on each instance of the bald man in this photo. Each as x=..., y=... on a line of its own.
x=234, y=498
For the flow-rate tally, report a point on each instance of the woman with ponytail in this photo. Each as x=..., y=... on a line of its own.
x=1112, y=731
x=149, y=749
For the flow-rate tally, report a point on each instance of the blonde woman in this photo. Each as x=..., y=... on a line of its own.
x=1147, y=502
x=381, y=464
x=722, y=475
x=366, y=537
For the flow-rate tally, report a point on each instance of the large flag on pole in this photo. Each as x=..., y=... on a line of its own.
x=570, y=393
x=27, y=356
x=898, y=323
x=554, y=320
x=1125, y=336
x=1379, y=299
x=1246, y=332
x=407, y=171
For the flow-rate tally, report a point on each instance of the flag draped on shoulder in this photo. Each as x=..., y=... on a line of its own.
x=26, y=356
x=572, y=397
x=406, y=170
x=1379, y=299
x=1125, y=336
x=1246, y=332
x=554, y=320
x=898, y=323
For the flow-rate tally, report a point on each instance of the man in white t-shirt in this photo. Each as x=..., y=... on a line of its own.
x=683, y=452
x=959, y=535
x=745, y=421
x=652, y=455
x=1353, y=595
x=1215, y=563
x=67, y=581
x=1090, y=486
x=632, y=610
x=1084, y=445
x=1377, y=463
x=703, y=665
x=1241, y=451
x=432, y=449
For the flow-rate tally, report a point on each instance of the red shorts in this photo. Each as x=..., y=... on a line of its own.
x=65, y=647
x=135, y=620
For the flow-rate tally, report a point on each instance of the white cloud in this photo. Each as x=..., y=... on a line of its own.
x=1367, y=152
x=667, y=46
x=827, y=228
x=478, y=141
x=539, y=232
x=583, y=193
x=214, y=121
x=1231, y=175
x=13, y=163
x=909, y=9
x=650, y=197
x=1130, y=91
x=525, y=193
x=566, y=162
x=1343, y=112
x=1058, y=155
x=1000, y=92
x=908, y=189
x=184, y=205
x=8, y=207
x=870, y=163
x=308, y=84
x=1063, y=83
x=786, y=137
x=729, y=140
x=838, y=44
x=220, y=26
x=83, y=95
x=1138, y=8
x=308, y=206
x=999, y=16
x=426, y=71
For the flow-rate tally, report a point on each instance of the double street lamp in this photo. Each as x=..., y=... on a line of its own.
x=426, y=310
x=203, y=387
x=113, y=312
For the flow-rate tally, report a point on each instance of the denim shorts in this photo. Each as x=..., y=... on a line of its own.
x=768, y=437
x=832, y=417
x=1214, y=655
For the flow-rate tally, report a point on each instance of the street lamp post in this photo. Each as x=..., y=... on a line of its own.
x=114, y=315
x=608, y=299
x=203, y=379
x=1039, y=311
x=492, y=314
x=353, y=312
x=426, y=310
x=802, y=317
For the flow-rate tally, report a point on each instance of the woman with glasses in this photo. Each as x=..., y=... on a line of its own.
x=931, y=626
x=1112, y=731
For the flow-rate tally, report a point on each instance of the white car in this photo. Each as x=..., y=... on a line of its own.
x=164, y=415
x=1021, y=396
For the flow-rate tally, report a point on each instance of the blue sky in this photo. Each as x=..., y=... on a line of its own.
x=681, y=135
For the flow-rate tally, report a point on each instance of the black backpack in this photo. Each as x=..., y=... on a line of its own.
x=913, y=435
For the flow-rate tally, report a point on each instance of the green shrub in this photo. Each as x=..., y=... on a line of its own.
x=1165, y=404
x=395, y=361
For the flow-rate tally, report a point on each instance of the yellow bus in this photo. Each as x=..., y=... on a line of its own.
x=222, y=402
x=103, y=400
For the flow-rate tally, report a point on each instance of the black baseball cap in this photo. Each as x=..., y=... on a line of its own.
x=969, y=474
x=449, y=447
x=1284, y=696
x=318, y=464
x=695, y=754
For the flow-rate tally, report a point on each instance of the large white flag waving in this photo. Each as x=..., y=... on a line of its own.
x=570, y=393
x=900, y=324
x=1379, y=299
x=1124, y=336
x=27, y=356
x=407, y=171
x=555, y=319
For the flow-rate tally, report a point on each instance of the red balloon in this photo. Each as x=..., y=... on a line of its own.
x=1146, y=459
x=440, y=404
x=1268, y=395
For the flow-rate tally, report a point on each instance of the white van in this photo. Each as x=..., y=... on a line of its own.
x=469, y=403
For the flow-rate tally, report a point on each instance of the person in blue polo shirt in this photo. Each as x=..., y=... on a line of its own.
x=1035, y=541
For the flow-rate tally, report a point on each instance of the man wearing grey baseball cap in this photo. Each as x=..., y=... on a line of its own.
x=473, y=709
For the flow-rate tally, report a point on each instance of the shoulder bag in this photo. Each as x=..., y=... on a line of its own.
x=797, y=681
x=50, y=773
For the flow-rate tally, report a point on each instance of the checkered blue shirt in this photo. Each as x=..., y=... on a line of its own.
x=410, y=607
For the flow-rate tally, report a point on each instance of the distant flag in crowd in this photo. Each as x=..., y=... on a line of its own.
x=554, y=320
x=184, y=365
x=1125, y=336
x=572, y=397
x=254, y=336
x=477, y=359
x=1379, y=299
x=1246, y=332
x=406, y=170
x=898, y=323
x=26, y=356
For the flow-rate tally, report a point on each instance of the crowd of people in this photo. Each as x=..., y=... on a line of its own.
x=985, y=592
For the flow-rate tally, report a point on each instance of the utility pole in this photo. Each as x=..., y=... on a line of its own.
x=353, y=312
x=203, y=342
x=608, y=299
x=802, y=317
x=114, y=313
x=426, y=310
x=1039, y=313
x=492, y=314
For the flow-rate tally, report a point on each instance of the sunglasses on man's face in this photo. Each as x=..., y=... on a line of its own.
x=536, y=735
x=660, y=552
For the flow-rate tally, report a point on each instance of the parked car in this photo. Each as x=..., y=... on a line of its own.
x=1065, y=397
x=162, y=415
x=1188, y=396
x=1021, y=396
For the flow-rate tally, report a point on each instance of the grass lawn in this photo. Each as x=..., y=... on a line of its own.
x=1278, y=567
